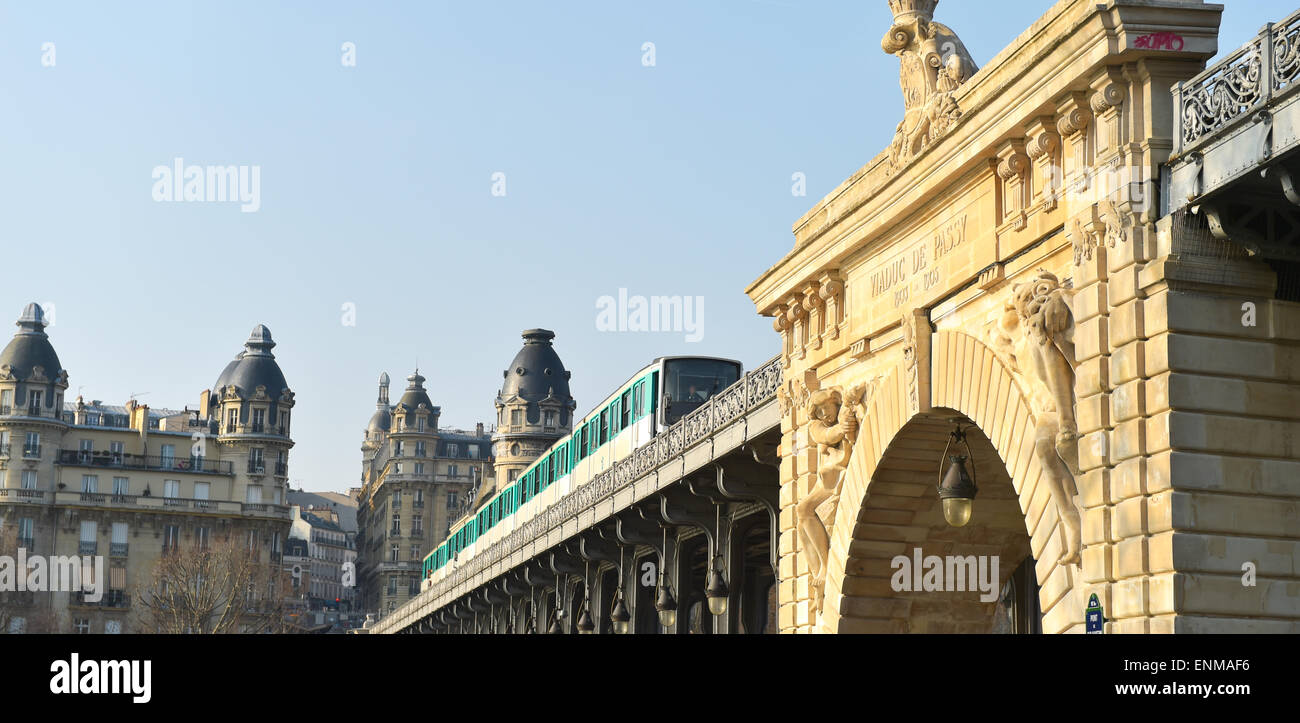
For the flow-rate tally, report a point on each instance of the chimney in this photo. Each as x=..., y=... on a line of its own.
x=478, y=429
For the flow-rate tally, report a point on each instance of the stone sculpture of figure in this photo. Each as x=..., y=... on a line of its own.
x=933, y=62
x=1046, y=354
x=833, y=427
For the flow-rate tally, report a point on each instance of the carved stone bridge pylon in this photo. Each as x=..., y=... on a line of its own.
x=1127, y=382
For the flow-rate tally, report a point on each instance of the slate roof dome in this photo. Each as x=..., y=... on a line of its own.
x=255, y=366
x=31, y=347
x=380, y=422
x=536, y=371
x=415, y=394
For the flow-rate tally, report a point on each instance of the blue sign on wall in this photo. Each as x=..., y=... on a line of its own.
x=1094, y=620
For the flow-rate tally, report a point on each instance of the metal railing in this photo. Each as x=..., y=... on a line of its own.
x=118, y=549
x=758, y=387
x=1233, y=89
x=119, y=460
x=88, y=547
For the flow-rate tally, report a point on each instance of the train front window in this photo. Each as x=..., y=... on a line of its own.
x=694, y=381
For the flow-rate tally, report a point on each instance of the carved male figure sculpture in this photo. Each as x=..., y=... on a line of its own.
x=833, y=427
x=1047, y=350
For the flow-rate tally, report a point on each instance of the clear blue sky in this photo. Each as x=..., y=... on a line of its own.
x=376, y=180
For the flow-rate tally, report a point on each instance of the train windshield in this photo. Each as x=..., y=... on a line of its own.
x=688, y=383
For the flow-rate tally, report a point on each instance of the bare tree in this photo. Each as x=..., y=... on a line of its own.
x=23, y=611
x=222, y=588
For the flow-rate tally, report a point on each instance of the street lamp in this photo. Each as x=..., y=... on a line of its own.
x=585, y=624
x=665, y=604
x=619, y=616
x=716, y=591
x=957, y=487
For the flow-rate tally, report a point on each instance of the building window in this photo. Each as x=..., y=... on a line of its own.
x=82, y=626
x=419, y=498
x=259, y=421
x=116, y=450
x=117, y=545
x=473, y=451
x=256, y=462
x=171, y=539
x=85, y=448
x=88, y=539
x=419, y=424
x=29, y=479
x=453, y=450
x=516, y=417
x=417, y=525
x=35, y=406
x=33, y=446
x=415, y=552
x=451, y=500
x=201, y=490
x=419, y=468
x=550, y=418
x=6, y=401
x=397, y=500
x=397, y=448
x=512, y=475
x=397, y=523
x=26, y=533
x=90, y=483
x=254, y=495
x=201, y=538
x=452, y=470
x=121, y=486
x=168, y=455
x=232, y=420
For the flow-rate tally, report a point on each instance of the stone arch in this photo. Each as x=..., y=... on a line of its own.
x=968, y=378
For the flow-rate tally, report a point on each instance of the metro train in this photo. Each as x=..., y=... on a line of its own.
x=651, y=401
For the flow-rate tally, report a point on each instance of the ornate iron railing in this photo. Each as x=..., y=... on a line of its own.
x=756, y=388
x=1239, y=85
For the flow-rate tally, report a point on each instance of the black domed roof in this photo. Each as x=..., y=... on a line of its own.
x=415, y=394
x=254, y=367
x=536, y=371
x=31, y=347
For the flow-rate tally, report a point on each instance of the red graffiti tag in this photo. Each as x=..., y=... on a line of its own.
x=1160, y=41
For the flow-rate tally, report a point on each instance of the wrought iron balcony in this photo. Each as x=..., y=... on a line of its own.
x=111, y=599
x=256, y=466
x=119, y=460
x=88, y=547
x=118, y=549
x=31, y=450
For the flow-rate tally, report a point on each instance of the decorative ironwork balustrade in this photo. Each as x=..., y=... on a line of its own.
x=1239, y=86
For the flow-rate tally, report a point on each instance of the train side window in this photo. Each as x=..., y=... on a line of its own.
x=624, y=406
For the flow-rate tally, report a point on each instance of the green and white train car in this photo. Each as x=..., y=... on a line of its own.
x=654, y=399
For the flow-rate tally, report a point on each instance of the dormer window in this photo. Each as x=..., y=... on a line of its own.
x=259, y=420
x=550, y=418
x=232, y=419
x=35, y=403
x=516, y=417
x=419, y=424
x=453, y=450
